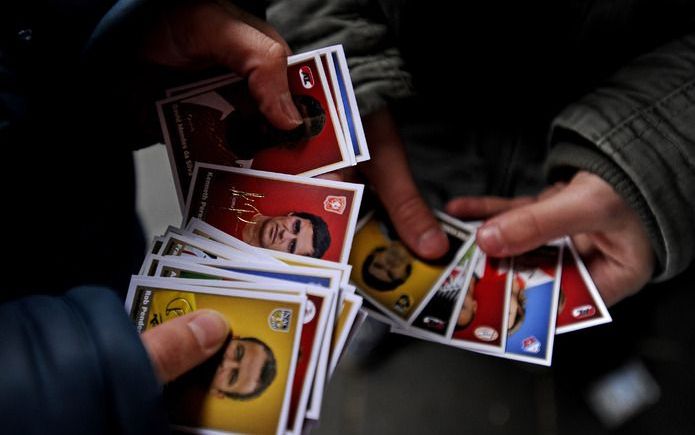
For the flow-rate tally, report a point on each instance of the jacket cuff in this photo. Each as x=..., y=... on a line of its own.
x=568, y=157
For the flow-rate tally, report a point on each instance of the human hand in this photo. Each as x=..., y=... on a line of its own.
x=197, y=34
x=180, y=344
x=607, y=233
x=389, y=175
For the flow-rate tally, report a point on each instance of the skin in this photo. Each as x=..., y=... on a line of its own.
x=281, y=233
x=391, y=264
x=411, y=216
x=469, y=308
x=240, y=369
x=607, y=233
x=195, y=35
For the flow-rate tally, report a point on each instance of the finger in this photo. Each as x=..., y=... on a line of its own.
x=483, y=207
x=347, y=174
x=576, y=209
x=258, y=23
x=390, y=176
x=180, y=344
x=263, y=61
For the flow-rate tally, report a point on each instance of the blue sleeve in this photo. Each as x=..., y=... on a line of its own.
x=75, y=365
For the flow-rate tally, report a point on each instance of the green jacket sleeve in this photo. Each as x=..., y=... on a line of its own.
x=637, y=131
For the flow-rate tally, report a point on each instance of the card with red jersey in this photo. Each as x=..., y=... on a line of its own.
x=220, y=123
x=580, y=305
x=285, y=213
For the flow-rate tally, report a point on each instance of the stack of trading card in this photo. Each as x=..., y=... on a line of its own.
x=260, y=242
x=217, y=121
x=507, y=307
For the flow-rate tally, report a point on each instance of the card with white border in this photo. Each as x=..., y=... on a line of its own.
x=221, y=124
x=285, y=213
x=392, y=278
x=581, y=305
x=265, y=327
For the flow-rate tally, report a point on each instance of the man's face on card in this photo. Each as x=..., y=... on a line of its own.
x=240, y=370
x=391, y=264
x=288, y=234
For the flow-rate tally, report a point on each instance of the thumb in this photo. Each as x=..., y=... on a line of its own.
x=390, y=176
x=180, y=344
x=573, y=210
x=260, y=58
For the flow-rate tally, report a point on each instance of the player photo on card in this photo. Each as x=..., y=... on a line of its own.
x=580, y=305
x=390, y=276
x=481, y=321
x=245, y=387
x=221, y=124
x=297, y=215
x=437, y=315
x=533, y=305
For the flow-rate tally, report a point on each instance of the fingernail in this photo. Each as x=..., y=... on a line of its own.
x=431, y=242
x=490, y=239
x=289, y=108
x=209, y=328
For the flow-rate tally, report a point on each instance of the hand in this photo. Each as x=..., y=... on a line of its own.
x=389, y=175
x=180, y=344
x=197, y=34
x=607, y=233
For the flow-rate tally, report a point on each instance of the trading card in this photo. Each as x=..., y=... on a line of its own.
x=390, y=276
x=350, y=305
x=221, y=124
x=436, y=317
x=481, y=322
x=318, y=306
x=173, y=244
x=581, y=305
x=534, y=291
x=304, y=261
x=246, y=386
x=350, y=115
x=204, y=229
x=156, y=245
x=253, y=272
x=316, y=396
x=376, y=314
x=351, y=110
x=319, y=302
x=277, y=212
x=149, y=265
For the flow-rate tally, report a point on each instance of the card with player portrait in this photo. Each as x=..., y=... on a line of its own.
x=437, y=316
x=392, y=278
x=221, y=124
x=481, y=321
x=534, y=290
x=245, y=387
x=580, y=305
x=296, y=215
x=340, y=83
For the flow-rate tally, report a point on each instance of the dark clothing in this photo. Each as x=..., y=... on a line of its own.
x=606, y=86
x=71, y=363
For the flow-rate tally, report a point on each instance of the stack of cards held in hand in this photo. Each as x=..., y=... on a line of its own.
x=261, y=243
x=217, y=121
x=507, y=307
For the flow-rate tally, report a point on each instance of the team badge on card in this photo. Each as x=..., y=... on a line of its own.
x=279, y=319
x=335, y=204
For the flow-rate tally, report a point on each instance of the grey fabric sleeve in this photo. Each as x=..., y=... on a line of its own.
x=376, y=66
x=637, y=131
